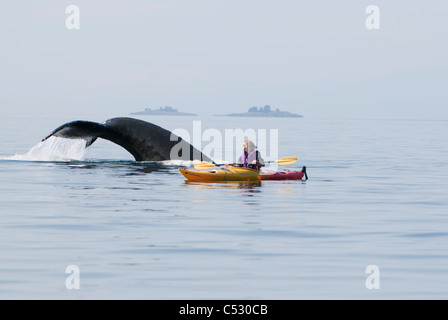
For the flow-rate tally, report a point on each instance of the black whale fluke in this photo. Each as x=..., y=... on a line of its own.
x=144, y=140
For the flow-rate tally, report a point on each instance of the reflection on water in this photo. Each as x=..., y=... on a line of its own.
x=249, y=189
x=250, y=186
x=289, y=187
x=127, y=167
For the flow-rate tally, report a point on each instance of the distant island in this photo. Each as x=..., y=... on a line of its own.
x=164, y=111
x=263, y=112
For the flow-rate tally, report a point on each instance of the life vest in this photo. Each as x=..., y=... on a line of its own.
x=247, y=160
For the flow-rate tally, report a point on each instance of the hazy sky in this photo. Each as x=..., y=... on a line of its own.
x=316, y=58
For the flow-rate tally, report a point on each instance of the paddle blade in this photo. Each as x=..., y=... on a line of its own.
x=204, y=165
x=286, y=160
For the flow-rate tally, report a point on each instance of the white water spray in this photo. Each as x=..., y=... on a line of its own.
x=54, y=149
x=180, y=163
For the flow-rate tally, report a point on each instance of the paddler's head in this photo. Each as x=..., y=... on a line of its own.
x=249, y=146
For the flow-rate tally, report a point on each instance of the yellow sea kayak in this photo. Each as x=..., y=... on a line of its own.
x=240, y=174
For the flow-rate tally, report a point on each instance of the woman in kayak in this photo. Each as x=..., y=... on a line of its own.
x=251, y=157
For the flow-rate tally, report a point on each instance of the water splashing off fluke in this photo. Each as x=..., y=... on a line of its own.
x=54, y=149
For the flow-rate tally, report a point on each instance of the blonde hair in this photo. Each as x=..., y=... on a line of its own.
x=250, y=146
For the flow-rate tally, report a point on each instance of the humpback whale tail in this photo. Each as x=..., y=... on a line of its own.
x=145, y=141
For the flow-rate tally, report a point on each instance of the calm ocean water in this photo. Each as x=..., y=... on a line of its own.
x=377, y=195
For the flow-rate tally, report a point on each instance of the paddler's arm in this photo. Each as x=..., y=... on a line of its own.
x=259, y=160
x=239, y=163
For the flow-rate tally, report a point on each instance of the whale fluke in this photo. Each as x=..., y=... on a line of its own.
x=145, y=141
